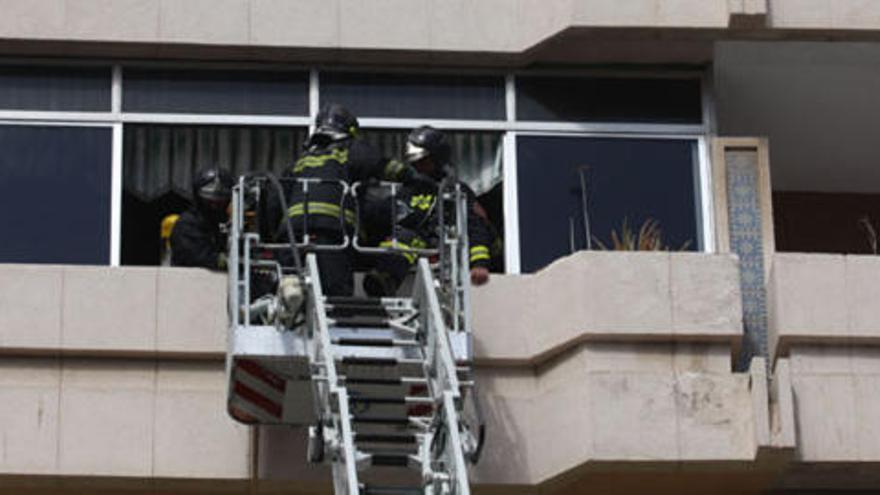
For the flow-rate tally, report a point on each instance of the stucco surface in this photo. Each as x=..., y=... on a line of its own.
x=823, y=298
x=562, y=399
x=436, y=26
x=118, y=418
x=608, y=297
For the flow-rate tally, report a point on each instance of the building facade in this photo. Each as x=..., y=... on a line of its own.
x=742, y=357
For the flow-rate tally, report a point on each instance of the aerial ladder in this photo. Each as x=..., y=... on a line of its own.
x=385, y=386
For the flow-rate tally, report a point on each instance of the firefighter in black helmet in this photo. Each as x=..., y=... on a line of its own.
x=428, y=151
x=197, y=238
x=335, y=152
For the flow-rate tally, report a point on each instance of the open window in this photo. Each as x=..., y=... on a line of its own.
x=160, y=162
x=477, y=156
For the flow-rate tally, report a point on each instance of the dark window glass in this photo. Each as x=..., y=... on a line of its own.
x=216, y=92
x=55, y=88
x=56, y=185
x=631, y=181
x=675, y=101
x=416, y=96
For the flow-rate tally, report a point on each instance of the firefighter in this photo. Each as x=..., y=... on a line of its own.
x=198, y=238
x=167, y=227
x=428, y=151
x=333, y=153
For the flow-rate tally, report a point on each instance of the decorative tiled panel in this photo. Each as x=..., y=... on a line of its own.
x=746, y=240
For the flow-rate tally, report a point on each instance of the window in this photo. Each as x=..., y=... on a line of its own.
x=478, y=159
x=416, y=96
x=174, y=121
x=605, y=99
x=55, y=88
x=215, y=92
x=56, y=182
x=160, y=162
x=627, y=181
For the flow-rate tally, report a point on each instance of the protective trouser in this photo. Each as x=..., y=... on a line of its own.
x=392, y=268
x=335, y=267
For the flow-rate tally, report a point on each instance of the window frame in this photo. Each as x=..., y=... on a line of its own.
x=509, y=127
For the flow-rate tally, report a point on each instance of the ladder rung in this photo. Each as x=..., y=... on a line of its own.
x=369, y=361
x=385, y=438
x=384, y=381
x=360, y=322
x=392, y=400
x=392, y=490
x=397, y=460
x=352, y=311
x=374, y=342
x=388, y=420
x=359, y=301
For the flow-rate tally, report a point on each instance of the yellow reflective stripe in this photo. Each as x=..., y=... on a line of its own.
x=319, y=208
x=316, y=161
x=393, y=169
x=422, y=201
x=410, y=257
x=480, y=253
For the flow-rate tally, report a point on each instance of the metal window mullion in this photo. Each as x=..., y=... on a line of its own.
x=510, y=190
x=213, y=119
x=609, y=128
x=116, y=196
x=705, y=156
x=116, y=91
x=510, y=97
x=449, y=124
x=707, y=94
x=314, y=97
x=70, y=118
x=707, y=198
x=511, y=205
x=116, y=168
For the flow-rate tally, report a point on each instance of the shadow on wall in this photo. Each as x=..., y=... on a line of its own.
x=505, y=451
x=812, y=222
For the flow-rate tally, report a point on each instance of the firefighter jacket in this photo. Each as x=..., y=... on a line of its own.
x=346, y=162
x=417, y=212
x=197, y=241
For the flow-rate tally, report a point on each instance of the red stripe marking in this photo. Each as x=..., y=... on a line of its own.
x=240, y=415
x=267, y=377
x=258, y=400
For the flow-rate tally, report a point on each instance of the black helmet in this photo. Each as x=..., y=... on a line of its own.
x=336, y=123
x=212, y=188
x=427, y=142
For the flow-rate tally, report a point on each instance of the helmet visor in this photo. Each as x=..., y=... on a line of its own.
x=414, y=153
x=332, y=133
x=215, y=194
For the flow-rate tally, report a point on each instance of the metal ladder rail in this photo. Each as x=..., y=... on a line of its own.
x=443, y=469
x=345, y=476
x=443, y=385
x=383, y=440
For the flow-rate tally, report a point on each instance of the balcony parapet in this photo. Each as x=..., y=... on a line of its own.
x=608, y=297
x=823, y=299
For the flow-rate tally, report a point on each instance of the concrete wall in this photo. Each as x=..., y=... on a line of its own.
x=117, y=374
x=825, y=325
x=446, y=32
x=473, y=25
x=814, y=102
x=103, y=375
x=92, y=393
